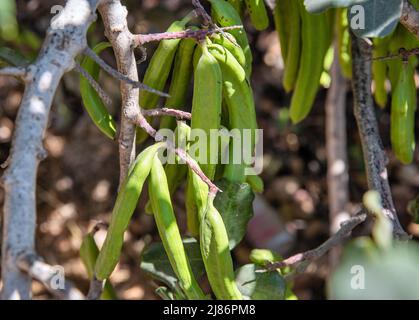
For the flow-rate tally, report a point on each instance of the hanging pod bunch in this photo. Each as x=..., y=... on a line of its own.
x=238, y=97
x=169, y=231
x=206, y=103
x=214, y=242
x=304, y=39
x=158, y=70
x=315, y=37
x=124, y=207
x=181, y=78
x=91, y=100
x=225, y=15
x=216, y=254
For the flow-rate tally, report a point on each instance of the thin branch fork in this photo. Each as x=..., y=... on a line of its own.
x=300, y=260
x=116, y=74
x=136, y=117
x=48, y=275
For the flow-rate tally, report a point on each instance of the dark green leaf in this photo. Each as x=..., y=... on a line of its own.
x=235, y=205
x=155, y=262
x=381, y=18
x=255, y=283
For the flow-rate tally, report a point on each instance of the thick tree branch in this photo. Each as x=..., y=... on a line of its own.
x=50, y=276
x=120, y=76
x=66, y=38
x=114, y=16
x=374, y=156
x=301, y=260
x=410, y=18
x=337, y=158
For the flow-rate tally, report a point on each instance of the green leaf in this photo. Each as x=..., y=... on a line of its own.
x=369, y=273
x=235, y=205
x=8, y=24
x=381, y=18
x=155, y=262
x=255, y=283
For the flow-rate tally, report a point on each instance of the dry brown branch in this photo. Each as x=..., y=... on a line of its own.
x=301, y=260
x=374, y=156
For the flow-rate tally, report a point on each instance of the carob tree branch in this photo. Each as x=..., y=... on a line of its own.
x=114, y=16
x=120, y=76
x=301, y=260
x=375, y=158
x=337, y=158
x=140, y=39
x=95, y=85
x=179, y=114
x=410, y=18
x=65, y=39
x=49, y=276
x=136, y=117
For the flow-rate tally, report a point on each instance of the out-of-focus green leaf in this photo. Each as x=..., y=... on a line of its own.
x=8, y=23
x=12, y=57
x=367, y=273
x=155, y=262
x=235, y=205
x=255, y=283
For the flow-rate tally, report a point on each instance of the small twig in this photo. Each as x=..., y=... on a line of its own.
x=102, y=94
x=48, y=275
x=301, y=259
x=136, y=117
x=140, y=39
x=403, y=54
x=116, y=74
x=179, y=114
x=95, y=289
x=13, y=71
x=410, y=18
